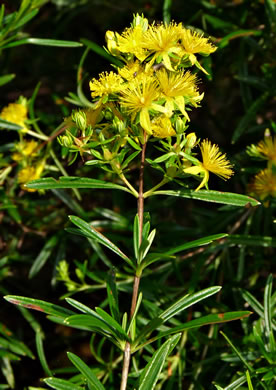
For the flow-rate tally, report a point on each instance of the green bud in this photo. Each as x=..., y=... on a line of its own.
x=171, y=171
x=79, y=117
x=139, y=20
x=107, y=155
x=119, y=125
x=180, y=125
x=65, y=140
x=108, y=114
x=191, y=140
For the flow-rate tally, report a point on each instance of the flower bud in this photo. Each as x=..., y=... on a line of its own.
x=107, y=155
x=111, y=42
x=119, y=125
x=139, y=20
x=65, y=140
x=191, y=141
x=180, y=125
x=79, y=118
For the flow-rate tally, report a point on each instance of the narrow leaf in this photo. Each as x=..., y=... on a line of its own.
x=187, y=301
x=212, y=196
x=36, y=304
x=91, y=232
x=49, y=183
x=112, y=295
x=41, y=354
x=43, y=42
x=61, y=384
x=43, y=256
x=150, y=374
x=86, y=372
x=196, y=243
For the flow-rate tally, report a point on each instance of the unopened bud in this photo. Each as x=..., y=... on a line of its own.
x=180, y=125
x=107, y=155
x=119, y=125
x=111, y=42
x=191, y=140
x=79, y=118
x=139, y=20
x=65, y=140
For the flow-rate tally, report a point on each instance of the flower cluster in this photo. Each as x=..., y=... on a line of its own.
x=25, y=152
x=147, y=98
x=264, y=183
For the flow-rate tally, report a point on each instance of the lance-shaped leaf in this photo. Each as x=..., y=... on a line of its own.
x=245, y=239
x=100, y=322
x=9, y=125
x=150, y=374
x=90, y=232
x=182, y=304
x=212, y=196
x=86, y=372
x=37, y=304
x=42, y=42
x=61, y=384
x=112, y=294
x=48, y=183
x=187, y=301
x=192, y=244
x=197, y=323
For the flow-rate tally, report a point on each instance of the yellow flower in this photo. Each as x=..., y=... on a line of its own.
x=15, y=113
x=108, y=83
x=30, y=173
x=213, y=161
x=162, y=127
x=25, y=149
x=131, y=42
x=194, y=42
x=264, y=184
x=162, y=40
x=132, y=70
x=267, y=148
x=178, y=88
x=139, y=97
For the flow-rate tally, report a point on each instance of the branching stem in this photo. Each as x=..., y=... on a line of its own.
x=136, y=282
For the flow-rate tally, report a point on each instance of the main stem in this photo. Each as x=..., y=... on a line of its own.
x=136, y=282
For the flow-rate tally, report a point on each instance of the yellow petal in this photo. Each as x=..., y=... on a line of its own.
x=145, y=120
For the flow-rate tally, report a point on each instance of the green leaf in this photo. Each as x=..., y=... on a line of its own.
x=192, y=244
x=36, y=304
x=205, y=320
x=249, y=116
x=40, y=351
x=237, y=34
x=6, y=79
x=182, y=304
x=86, y=372
x=243, y=239
x=237, y=352
x=112, y=295
x=256, y=305
x=136, y=243
x=43, y=42
x=250, y=387
x=150, y=374
x=49, y=183
x=100, y=51
x=212, y=196
x=236, y=384
x=43, y=256
x=9, y=125
x=113, y=323
x=187, y=301
x=61, y=384
x=91, y=232
x=25, y=19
